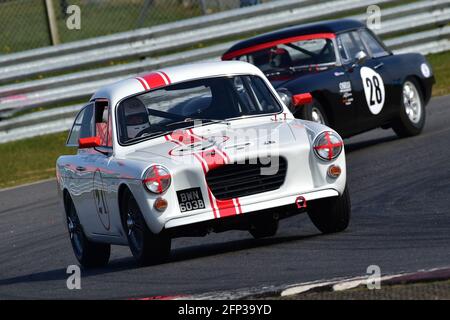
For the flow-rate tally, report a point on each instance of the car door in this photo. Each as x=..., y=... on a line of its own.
x=367, y=81
x=382, y=62
x=102, y=193
x=83, y=167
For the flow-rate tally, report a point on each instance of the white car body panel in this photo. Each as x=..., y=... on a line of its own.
x=125, y=165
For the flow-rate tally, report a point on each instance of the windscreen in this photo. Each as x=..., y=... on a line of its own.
x=183, y=105
x=304, y=53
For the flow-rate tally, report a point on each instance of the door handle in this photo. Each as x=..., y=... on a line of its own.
x=79, y=168
x=379, y=65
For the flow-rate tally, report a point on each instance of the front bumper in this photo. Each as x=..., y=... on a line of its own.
x=254, y=204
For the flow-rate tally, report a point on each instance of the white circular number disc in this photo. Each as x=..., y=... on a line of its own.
x=373, y=89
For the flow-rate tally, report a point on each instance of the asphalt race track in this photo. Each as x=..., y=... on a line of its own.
x=400, y=190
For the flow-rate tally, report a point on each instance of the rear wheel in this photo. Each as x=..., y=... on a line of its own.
x=263, y=227
x=412, y=112
x=147, y=248
x=313, y=112
x=331, y=215
x=89, y=254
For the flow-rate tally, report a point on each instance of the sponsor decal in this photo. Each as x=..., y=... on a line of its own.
x=345, y=88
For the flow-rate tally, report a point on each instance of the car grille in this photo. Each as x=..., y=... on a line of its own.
x=240, y=180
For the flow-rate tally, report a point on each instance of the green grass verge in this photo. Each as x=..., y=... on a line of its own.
x=31, y=159
x=34, y=159
x=441, y=68
x=24, y=23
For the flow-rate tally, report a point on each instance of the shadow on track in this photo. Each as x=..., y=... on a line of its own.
x=355, y=146
x=180, y=254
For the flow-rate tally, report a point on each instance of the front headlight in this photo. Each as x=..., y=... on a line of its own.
x=328, y=145
x=157, y=179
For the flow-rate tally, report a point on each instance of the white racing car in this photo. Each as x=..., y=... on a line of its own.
x=200, y=148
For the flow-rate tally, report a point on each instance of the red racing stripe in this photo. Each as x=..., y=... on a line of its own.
x=214, y=159
x=209, y=160
x=166, y=76
x=184, y=137
x=179, y=141
x=239, y=206
x=226, y=208
x=154, y=80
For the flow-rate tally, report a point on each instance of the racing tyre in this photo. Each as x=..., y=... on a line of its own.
x=147, y=248
x=313, y=112
x=412, y=111
x=331, y=214
x=89, y=254
x=264, y=227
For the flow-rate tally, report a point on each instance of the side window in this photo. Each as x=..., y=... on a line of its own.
x=371, y=42
x=103, y=123
x=349, y=45
x=254, y=96
x=267, y=100
x=82, y=126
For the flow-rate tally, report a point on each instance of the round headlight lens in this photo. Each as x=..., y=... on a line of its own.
x=328, y=145
x=157, y=179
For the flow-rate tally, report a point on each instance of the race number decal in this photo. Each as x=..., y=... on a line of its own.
x=100, y=200
x=373, y=89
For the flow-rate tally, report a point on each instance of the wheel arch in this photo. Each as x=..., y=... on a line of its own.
x=422, y=86
x=325, y=103
x=67, y=199
x=123, y=190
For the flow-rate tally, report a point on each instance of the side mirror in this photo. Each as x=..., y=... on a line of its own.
x=360, y=57
x=286, y=97
x=91, y=142
x=302, y=99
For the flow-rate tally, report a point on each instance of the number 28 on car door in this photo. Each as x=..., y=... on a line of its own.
x=373, y=89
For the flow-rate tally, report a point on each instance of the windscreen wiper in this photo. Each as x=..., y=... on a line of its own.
x=187, y=120
x=149, y=134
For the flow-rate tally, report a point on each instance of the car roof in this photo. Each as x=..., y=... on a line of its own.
x=171, y=75
x=330, y=26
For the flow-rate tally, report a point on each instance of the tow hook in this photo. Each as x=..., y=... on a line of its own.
x=300, y=202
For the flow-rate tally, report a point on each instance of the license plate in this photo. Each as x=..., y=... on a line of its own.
x=190, y=199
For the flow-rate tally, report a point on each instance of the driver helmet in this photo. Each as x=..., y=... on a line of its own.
x=136, y=117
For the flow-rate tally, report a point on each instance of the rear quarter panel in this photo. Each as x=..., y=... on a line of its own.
x=407, y=65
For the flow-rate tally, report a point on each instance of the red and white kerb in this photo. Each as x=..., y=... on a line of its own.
x=154, y=80
x=209, y=159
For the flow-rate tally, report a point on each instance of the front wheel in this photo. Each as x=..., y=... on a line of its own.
x=411, y=119
x=147, y=248
x=89, y=254
x=313, y=112
x=264, y=227
x=331, y=215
